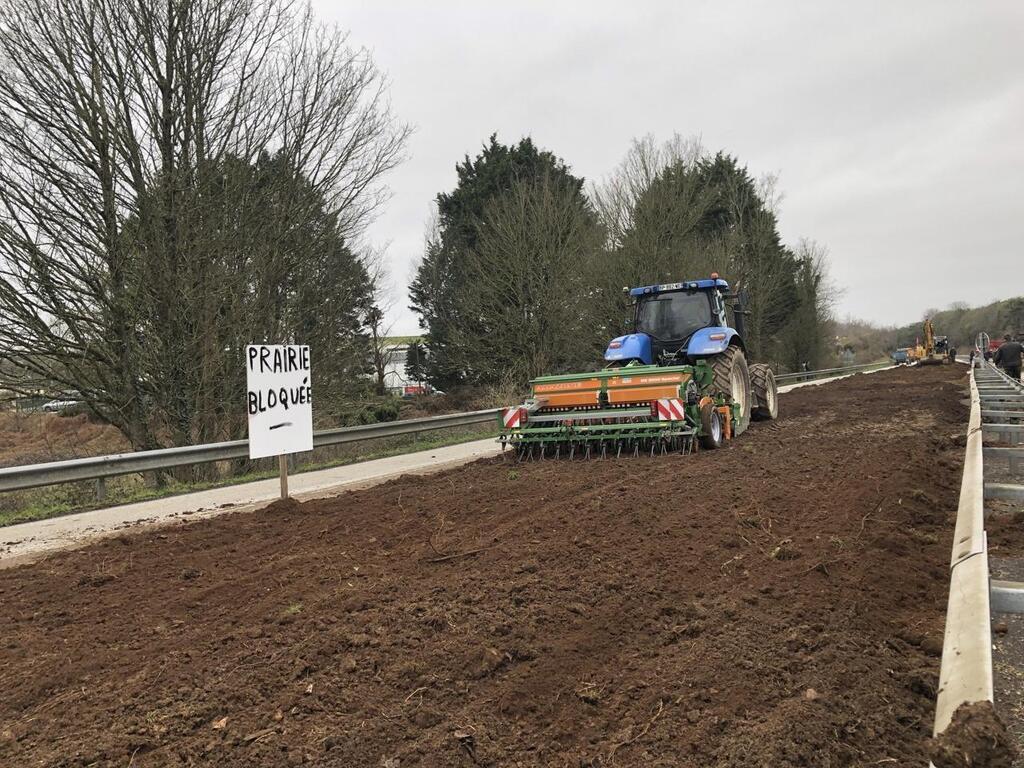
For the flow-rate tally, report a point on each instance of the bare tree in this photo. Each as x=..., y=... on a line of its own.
x=379, y=322
x=616, y=197
x=651, y=207
x=165, y=171
x=828, y=293
x=804, y=341
x=770, y=193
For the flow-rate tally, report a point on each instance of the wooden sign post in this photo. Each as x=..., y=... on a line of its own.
x=282, y=462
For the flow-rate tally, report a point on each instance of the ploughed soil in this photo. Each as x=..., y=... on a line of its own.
x=779, y=602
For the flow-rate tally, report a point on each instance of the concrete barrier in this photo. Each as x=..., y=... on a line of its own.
x=966, y=671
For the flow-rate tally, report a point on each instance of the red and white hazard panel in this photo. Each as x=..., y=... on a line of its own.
x=513, y=417
x=670, y=409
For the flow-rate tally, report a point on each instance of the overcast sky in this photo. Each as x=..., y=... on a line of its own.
x=897, y=128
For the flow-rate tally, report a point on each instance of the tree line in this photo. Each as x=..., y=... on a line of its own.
x=523, y=273
x=959, y=321
x=962, y=323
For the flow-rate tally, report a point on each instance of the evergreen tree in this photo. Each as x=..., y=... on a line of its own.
x=529, y=284
x=439, y=290
x=697, y=217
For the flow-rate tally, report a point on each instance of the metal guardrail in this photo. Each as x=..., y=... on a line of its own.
x=98, y=467
x=808, y=375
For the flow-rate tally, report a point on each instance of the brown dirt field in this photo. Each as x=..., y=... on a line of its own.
x=776, y=603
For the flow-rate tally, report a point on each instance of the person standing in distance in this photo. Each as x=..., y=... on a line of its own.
x=1008, y=357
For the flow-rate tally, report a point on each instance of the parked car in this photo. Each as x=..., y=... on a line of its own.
x=59, y=406
x=901, y=356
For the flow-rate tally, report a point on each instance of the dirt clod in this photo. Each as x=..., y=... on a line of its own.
x=426, y=717
x=484, y=661
x=785, y=551
x=95, y=580
x=976, y=738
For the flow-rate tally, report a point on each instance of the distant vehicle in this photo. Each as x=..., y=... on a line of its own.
x=901, y=356
x=418, y=390
x=58, y=406
x=993, y=345
x=933, y=350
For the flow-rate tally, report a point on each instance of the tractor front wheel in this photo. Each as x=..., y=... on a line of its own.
x=732, y=379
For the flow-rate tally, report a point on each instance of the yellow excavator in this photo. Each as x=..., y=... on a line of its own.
x=935, y=349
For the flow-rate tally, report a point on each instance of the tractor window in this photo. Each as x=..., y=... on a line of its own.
x=673, y=316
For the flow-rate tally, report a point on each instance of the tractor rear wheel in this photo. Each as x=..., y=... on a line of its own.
x=732, y=379
x=711, y=432
x=766, y=393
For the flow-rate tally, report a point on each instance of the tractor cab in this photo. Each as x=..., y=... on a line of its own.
x=676, y=323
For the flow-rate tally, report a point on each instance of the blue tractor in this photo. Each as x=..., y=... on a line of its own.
x=680, y=378
x=684, y=323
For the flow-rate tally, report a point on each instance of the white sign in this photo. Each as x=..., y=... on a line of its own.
x=280, y=399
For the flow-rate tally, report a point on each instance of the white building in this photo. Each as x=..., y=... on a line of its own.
x=396, y=381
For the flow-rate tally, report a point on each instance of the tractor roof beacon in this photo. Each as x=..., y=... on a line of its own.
x=681, y=376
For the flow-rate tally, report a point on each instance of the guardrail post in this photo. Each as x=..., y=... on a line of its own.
x=101, y=489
